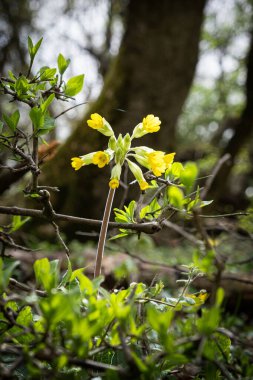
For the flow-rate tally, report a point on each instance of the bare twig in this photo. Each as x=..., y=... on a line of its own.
x=154, y=263
x=70, y=108
x=182, y=232
x=26, y=288
x=211, y=178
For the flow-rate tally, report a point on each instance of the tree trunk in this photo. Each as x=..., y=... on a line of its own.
x=152, y=74
x=243, y=129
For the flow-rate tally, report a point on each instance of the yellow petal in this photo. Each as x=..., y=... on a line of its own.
x=114, y=183
x=77, y=163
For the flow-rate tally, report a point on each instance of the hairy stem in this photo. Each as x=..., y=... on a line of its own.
x=35, y=157
x=103, y=231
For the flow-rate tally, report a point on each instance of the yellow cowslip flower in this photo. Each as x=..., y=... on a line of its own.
x=168, y=159
x=101, y=159
x=100, y=124
x=151, y=123
x=137, y=172
x=114, y=183
x=77, y=163
x=157, y=163
x=96, y=121
x=143, y=185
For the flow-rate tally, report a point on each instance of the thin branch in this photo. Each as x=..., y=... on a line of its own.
x=60, y=239
x=224, y=215
x=211, y=178
x=149, y=227
x=70, y=108
x=201, y=230
x=182, y=232
x=154, y=263
x=238, y=279
x=26, y=288
x=155, y=300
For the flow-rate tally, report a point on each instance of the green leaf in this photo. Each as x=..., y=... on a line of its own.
x=12, y=121
x=48, y=74
x=145, y=210
x=11, y=75
x=189, y=175
x=48, y=125
x=176, y=197
x=204, y=263
x=44, y=106
x=22, y=85
x=219, y=297
x=25, y=316
x=74, y=85
x=46, y=273
x=18, y=222
x=67, y=275
x=37, y=118
x=62, y=63
x=37, y=46
x=205, y=203
x=33, y=49
x=118, y=236
x=85, y=283
x=1, y=126
x=30, y=46
x=209, y=321
x=175, y=170
x=217, y=347
x=160, y=321
x=6, y=271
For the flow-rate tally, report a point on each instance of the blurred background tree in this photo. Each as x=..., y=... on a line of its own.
x=141, y=57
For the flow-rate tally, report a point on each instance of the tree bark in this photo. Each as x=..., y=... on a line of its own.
x=243, y=129
x=152, y=74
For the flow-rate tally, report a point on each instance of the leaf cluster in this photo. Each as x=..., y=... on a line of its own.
x=74, y=326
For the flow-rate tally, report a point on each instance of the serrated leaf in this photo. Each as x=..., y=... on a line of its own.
x=25, y=316
x=74, y=85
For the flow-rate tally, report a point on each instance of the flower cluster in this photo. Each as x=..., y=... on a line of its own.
x=120, y=151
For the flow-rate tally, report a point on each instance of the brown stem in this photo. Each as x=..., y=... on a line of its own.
x=103, y=231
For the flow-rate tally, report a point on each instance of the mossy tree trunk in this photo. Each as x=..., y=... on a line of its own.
x=152, y=73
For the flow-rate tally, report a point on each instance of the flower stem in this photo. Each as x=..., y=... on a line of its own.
x=103, y=232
